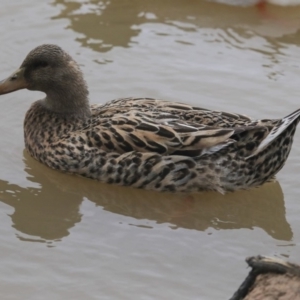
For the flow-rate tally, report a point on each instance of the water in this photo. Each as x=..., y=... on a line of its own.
x=64, y=237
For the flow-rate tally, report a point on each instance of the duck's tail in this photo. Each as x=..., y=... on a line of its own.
x=277, y=130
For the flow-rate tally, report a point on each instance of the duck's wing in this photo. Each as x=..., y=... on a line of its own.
x=184, y=111
x=163, y=133
x=277, y=130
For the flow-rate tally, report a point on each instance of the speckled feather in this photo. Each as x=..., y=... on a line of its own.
x=140, y=143
x=144, y=142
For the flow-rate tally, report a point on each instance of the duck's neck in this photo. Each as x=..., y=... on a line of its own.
x=68, y=100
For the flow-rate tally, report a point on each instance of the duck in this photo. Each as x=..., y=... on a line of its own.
x=269, y=278
x=144, y=143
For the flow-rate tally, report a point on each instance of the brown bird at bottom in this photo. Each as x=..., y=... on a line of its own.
x=143, y=142
x=270, y=278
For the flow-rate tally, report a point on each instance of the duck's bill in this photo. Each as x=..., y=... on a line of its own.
x=13, y=83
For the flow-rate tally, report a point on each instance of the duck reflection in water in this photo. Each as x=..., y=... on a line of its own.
x=48, y=213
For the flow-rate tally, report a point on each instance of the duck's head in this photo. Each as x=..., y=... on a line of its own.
x=51, y=70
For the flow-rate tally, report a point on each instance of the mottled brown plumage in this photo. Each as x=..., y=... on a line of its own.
x=143, y=142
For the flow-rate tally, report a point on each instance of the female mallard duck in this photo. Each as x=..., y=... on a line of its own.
x=143, y=142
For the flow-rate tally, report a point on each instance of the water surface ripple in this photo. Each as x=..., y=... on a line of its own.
x=65, y=237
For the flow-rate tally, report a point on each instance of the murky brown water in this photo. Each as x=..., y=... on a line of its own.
x=64, y=237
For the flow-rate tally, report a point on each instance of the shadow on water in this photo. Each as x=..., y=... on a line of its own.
x=49, y=212
x=114, y=23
